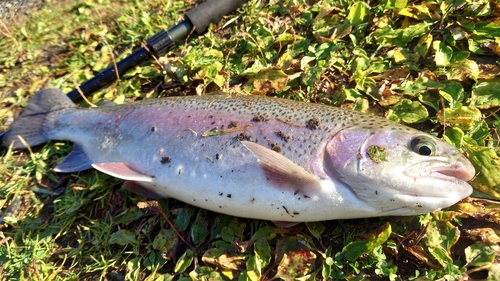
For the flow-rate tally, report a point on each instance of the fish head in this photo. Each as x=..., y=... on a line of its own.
x=399, y=170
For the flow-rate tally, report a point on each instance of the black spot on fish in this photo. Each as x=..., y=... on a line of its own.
x=229, y=196
x=165, y=160
x=218, y=156
x=296, y=213
x=252, y=200
x=153, y=129
x=220, y=193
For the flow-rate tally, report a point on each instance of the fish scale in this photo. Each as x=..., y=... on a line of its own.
x=254, y=157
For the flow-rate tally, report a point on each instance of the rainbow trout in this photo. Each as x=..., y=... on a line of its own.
x=254, y=157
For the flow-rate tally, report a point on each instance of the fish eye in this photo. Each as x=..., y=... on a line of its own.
x=423, y=145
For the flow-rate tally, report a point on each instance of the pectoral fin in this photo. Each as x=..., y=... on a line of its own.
x=122, y=171
x=282, y=172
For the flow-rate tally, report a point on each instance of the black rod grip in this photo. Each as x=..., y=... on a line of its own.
x=211, y=11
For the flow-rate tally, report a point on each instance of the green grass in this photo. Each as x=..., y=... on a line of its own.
x=431, y=65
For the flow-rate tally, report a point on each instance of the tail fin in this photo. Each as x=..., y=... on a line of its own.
x=30, y=125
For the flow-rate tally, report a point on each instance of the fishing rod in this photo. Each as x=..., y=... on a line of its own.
x=198, y=18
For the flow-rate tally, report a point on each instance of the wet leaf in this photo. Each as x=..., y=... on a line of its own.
x=463, y=117
x=408, y=111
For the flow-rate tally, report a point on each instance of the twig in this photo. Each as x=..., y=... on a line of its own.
x=81, y=93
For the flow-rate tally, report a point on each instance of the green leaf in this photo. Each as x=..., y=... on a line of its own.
x=486, y=94
x=452, y=92
x=296, y=258
x=408, y=111
x=316, y=228
x=166, y=240
x=443, y=53
x=486, y=162
x=454, y=136
x=463, y=117
x=396, y=4
x=262, y=252
x=424, y=43
x=183, y=217
x=122, y=237
x=227, y=234
x=358, y=13
x=355, y=249
x=480, y=254
x=198, y=232
x=439, y=238
x=487, y=29
x=264, y=231
x=413, y=31
x=184, y=261
x=463, y=69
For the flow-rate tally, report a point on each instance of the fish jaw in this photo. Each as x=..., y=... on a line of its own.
x=455, y=174
x=402, y=181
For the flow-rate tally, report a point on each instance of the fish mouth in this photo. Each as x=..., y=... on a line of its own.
x=462, y=171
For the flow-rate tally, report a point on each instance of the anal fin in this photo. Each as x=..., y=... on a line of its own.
x=282, y=172
x=76, y=161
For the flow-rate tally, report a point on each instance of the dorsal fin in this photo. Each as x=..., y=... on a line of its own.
x=282, y=172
